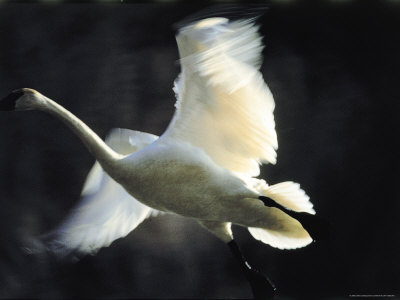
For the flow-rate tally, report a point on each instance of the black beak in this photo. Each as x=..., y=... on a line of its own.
x=8, y=103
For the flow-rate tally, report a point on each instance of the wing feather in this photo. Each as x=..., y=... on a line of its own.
x=223, y=104
x=106, y=211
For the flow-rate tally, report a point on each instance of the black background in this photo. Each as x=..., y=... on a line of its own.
x=333, y=68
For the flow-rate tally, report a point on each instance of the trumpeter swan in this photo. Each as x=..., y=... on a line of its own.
x=205, y=164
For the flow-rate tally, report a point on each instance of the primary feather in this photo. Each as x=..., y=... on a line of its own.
x=223, y=104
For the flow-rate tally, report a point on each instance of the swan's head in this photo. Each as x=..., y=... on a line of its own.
x=22, y=99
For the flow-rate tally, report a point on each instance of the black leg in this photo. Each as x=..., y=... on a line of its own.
x=317, y=227
x=261, y=286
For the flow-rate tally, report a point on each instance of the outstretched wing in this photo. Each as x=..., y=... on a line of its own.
x=223, y=104
x=106, y=211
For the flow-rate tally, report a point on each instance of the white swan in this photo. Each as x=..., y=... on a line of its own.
x=203, y=166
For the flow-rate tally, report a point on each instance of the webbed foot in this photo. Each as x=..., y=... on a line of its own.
x=261, y=286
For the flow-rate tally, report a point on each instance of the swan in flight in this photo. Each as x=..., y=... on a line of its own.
x=204, y=166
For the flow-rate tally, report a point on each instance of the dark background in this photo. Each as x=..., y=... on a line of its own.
x=333, y=68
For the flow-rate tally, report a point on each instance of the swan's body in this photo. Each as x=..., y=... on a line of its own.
x=187, y=170
x=202, y=167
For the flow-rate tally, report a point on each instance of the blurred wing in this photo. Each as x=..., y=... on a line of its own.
x=106, y=211
x=223, y=104
x=123, y=141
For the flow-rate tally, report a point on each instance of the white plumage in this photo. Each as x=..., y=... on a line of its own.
x=106, y=211
x=203, y=166
x=223, y=105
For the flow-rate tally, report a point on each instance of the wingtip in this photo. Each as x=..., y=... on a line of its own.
x=229, y=11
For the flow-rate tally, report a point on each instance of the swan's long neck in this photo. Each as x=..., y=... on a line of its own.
x=96, y=146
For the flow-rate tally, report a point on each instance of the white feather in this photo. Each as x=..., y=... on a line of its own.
x=281, y=239
x=106, y=211
x=223, y=104
x=203, y=166
x=288, y=193
x=290, y=234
